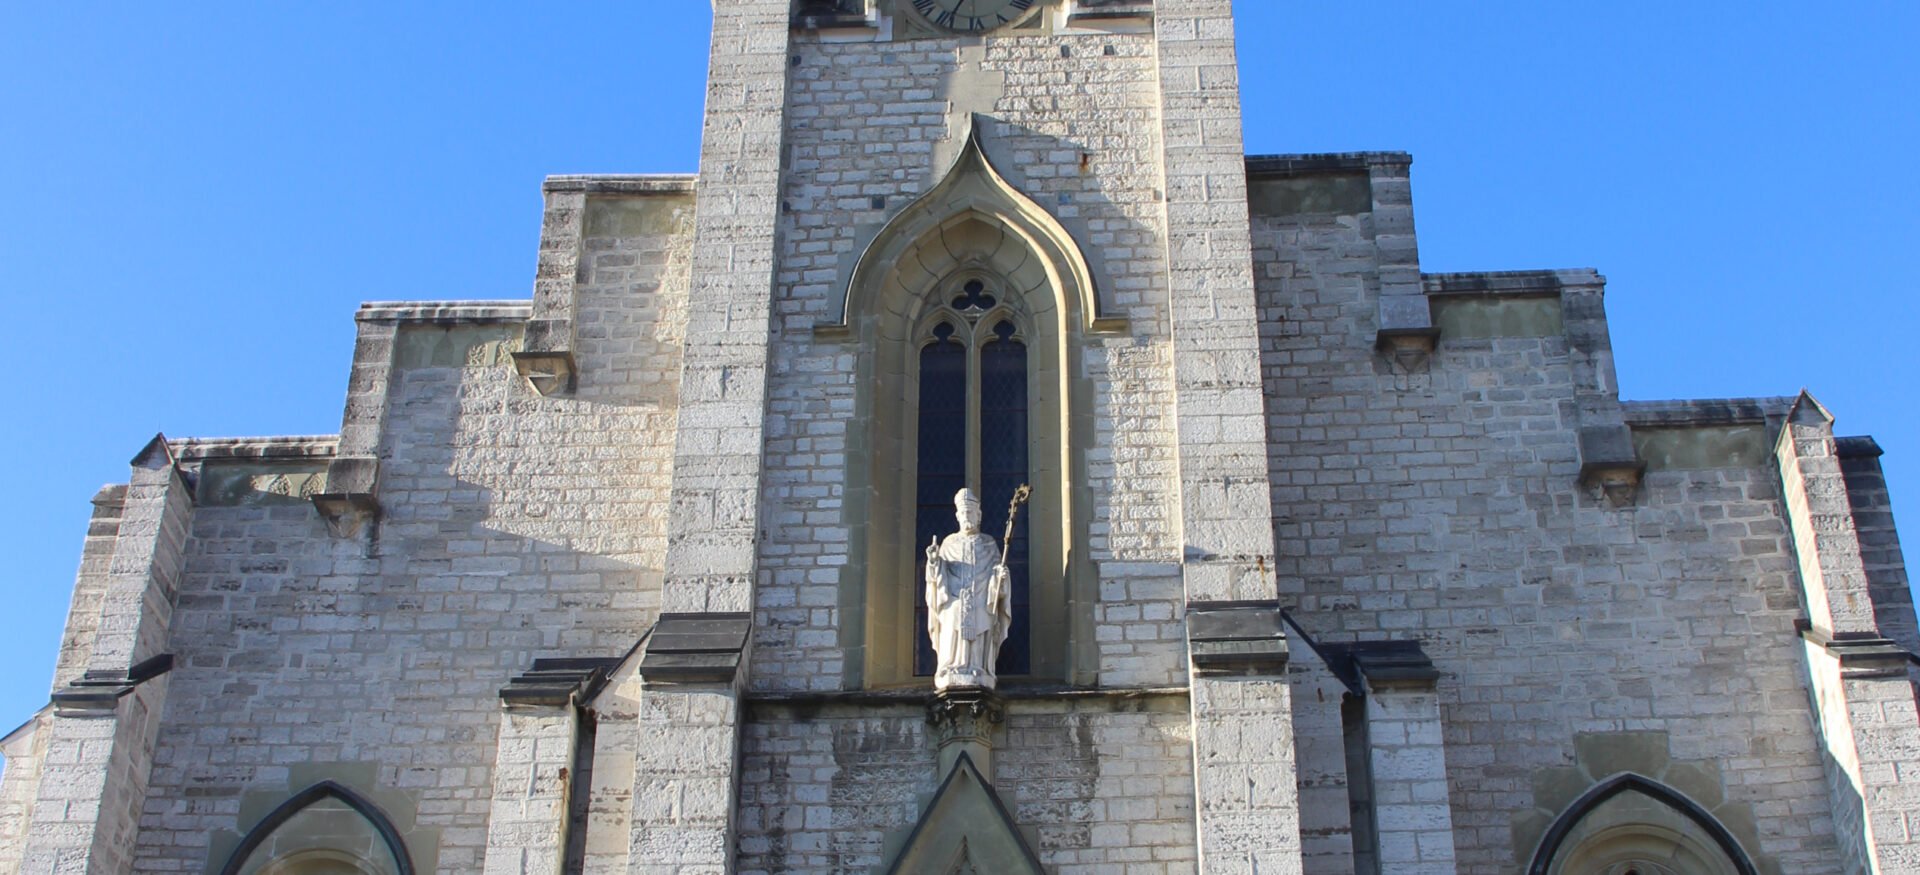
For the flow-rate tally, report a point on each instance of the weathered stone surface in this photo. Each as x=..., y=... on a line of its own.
x=1244, y=398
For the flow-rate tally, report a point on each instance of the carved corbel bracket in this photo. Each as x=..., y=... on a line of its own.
x=1609, y=468
x=549, y=372
x=962, y=721
x=1409, y=349
x=1616, y=483
x=349, y=505
x=346, y=513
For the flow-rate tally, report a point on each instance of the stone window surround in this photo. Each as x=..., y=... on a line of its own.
x=971, y=221
x=893, y=419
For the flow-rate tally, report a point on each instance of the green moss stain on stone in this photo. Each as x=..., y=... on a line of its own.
x=461, y=345
x=259, y=484
x=1686, y=448
x=1342, y=194
x=1497, y=317
x=658, y=215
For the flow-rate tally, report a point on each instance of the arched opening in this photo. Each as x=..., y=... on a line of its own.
x=969, y=311
x=325, y=829
x=1632, y=825
x=972, y=432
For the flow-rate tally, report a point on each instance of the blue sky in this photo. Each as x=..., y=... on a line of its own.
x=195, y=197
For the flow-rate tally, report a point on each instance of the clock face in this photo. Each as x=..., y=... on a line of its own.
x=973, y=16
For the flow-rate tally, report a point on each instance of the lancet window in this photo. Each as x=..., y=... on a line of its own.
x=972, y=432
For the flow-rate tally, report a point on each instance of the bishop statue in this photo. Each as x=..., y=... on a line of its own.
x=969, y=604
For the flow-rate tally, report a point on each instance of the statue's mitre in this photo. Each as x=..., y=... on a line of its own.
x=964, y=498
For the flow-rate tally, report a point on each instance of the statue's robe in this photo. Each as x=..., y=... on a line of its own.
x=969, y=610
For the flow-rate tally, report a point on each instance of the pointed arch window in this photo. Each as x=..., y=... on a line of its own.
x=972, y=433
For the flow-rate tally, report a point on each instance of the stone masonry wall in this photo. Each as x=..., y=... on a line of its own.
x=1097, y=786
x=513, y=527
x=872, y=124
x=24, y=751
x=1441, y=505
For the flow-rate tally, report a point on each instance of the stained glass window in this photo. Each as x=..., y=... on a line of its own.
x=942, y=463
x=1003, y=467
x=947, y=447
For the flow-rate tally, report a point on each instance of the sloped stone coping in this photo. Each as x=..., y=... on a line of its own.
x=623, y=183
x=1509, y=282
x=1316, y=163
x=99, y=691
x=1704, y=411
x=444, y=311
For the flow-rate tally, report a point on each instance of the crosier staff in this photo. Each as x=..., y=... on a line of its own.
x=1020, y=497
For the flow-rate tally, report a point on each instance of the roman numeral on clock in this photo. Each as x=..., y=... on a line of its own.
x=947, y=14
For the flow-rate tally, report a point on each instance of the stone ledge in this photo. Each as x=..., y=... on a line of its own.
x=1861, y=654
x=1361, y=665
x=1509, y=282
x=695, y=648
x=305, y=446
x=1704, y=411
x=1239, y=638
x=99, y=692
x=623, y=183
x=1315, y=163
x=558, y=681
x=1111, y=10
x=916, y=697
x=444, y=311
x=833, y=21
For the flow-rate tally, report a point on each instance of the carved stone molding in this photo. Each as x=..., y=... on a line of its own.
x=962, y=721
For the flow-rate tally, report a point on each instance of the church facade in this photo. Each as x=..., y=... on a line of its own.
x=1329, y=565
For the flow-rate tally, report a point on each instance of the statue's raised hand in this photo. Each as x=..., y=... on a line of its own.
x=933, y=549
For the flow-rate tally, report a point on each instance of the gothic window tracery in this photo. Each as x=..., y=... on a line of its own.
x=972, y=432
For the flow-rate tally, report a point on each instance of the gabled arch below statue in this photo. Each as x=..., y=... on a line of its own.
x=972, y=195
x=1712, y=837
x=965, y=828
x=261, y=839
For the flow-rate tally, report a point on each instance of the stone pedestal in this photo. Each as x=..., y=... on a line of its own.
x=963, y=720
